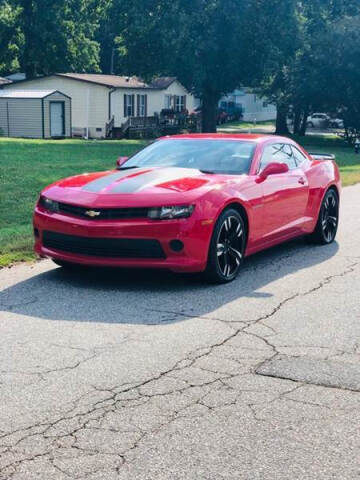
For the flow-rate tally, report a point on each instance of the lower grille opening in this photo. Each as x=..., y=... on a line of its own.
x=104, y=247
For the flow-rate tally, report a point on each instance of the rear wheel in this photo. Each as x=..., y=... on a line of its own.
x=327, y=224
x=227, y=247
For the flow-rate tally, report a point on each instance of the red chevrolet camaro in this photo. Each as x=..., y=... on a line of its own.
x=191, y=203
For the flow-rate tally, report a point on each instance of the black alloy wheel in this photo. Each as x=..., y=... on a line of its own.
x=328, y=221
x=227, y=248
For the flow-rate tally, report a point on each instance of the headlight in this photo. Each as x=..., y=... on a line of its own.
x=167, y=213
x=49, y=204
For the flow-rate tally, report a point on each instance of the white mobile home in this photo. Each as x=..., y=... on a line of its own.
x=99, y=99
x=35, y=114
x=254, y=107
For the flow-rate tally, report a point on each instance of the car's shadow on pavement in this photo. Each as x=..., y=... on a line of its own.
x=152, y=297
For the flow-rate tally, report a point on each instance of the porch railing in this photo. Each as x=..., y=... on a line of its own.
x=109, y=127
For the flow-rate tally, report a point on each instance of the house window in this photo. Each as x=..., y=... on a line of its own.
x=141, y=105
x=129, y=105
x=180, y=103
x=168, y=102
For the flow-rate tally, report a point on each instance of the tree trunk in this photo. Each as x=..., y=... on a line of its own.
x=303, y=127
x=297, y=121
x=28, y=60
x=281, y=119
x=209, y=109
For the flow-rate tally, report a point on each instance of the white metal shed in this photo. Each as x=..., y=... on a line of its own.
x=35, y=113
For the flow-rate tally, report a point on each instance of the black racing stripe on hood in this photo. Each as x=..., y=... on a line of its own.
x=97, y=185
x=140, y=182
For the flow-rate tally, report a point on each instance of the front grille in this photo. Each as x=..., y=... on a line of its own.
x=104, y=247
x=104, y=213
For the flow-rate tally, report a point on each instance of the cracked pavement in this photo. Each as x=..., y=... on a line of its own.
x=143, y=375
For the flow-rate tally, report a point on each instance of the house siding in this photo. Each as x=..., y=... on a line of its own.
x=21, y=117
x=155, y=100
x=175, y=89
x=90, y=102
x=3, y=118
x=117, y=103
x=252, y=106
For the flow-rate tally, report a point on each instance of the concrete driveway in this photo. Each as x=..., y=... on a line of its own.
x=143, y=375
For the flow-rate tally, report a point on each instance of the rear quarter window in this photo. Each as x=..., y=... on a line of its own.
x=299, y=156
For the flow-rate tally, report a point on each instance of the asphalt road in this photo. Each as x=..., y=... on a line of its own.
x=143, y=375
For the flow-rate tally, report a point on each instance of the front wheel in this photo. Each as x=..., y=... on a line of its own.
x=227, y=247
x=327, y=224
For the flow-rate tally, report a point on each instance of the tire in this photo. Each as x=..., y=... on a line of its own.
x=328, y=220
x=227, y=247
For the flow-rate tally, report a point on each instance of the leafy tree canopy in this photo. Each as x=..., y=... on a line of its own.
x=10, y=37
x=212, y=46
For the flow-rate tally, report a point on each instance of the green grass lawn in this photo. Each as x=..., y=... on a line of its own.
x=347, y=160
x=26, y=166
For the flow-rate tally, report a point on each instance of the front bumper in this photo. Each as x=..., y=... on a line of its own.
x=193, y=232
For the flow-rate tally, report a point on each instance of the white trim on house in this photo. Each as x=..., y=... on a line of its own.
x=25, y=93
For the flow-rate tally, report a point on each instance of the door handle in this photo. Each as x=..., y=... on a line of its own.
x=301, y=180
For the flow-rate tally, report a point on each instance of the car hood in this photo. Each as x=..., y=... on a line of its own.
x=145, y=185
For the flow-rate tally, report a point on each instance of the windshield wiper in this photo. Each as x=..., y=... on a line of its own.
x=208, y=171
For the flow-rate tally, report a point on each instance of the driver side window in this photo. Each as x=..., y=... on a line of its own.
x=279, y=153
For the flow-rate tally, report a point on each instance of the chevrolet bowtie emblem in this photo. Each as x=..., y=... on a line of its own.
x=92, y=213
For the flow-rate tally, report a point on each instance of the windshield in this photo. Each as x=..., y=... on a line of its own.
x=230, y=157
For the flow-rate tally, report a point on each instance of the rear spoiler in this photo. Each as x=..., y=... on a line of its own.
x=322, y=156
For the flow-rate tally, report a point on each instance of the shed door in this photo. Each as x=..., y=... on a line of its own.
x=57, y=119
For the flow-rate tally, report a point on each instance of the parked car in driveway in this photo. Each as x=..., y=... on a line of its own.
x=233, y=111
x=191, y=203
x=336, y=123
x=318, y=120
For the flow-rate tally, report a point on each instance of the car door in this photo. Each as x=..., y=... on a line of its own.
x=285, y=195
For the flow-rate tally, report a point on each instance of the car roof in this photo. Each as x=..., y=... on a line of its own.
x=250, y=137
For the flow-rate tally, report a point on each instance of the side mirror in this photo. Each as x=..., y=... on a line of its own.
x=273, y=168
x=121, y=160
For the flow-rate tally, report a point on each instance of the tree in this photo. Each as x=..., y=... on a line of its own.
x=343, y=72
x=10, y=37
x=59, y=35
x=212, y=46
x=303, y=82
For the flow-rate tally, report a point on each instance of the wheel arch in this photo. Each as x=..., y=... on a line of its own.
x=334, y=188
